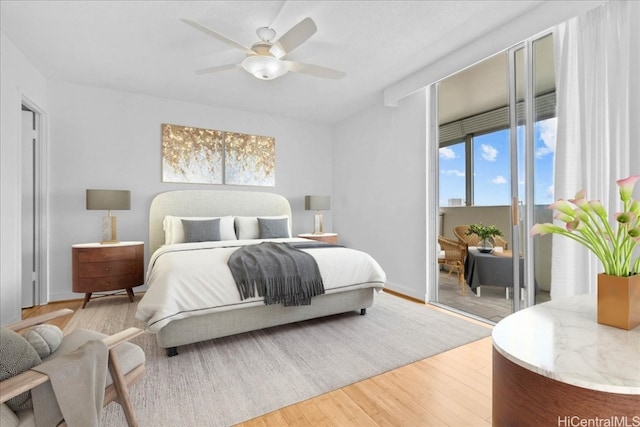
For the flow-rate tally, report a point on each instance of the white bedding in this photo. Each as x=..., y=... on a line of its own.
x=193, y=278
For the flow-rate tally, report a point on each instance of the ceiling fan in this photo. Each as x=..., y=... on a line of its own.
x=266, y=58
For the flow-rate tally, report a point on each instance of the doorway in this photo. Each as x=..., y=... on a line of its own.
x=495, y=121
x=33, y=207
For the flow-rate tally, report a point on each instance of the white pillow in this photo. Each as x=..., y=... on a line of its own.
x=247, y=226
x=174, y=232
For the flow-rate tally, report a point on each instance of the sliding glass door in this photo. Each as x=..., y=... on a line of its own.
x=496, y=143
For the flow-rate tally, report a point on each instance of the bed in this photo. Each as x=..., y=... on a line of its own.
x=191, y=294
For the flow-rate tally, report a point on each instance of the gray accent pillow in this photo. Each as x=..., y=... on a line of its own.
x=273, y=228
x=201, y=231
x=45, y=339
x=16, y=356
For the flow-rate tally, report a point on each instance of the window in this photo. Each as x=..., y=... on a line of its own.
x=485, y=172
x=452, y=174
x=491, y=166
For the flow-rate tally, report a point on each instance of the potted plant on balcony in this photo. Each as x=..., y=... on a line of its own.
x=486, y=233
x=613, y=242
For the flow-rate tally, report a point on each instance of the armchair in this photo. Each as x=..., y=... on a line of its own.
x=126, y=366
x=452, y=254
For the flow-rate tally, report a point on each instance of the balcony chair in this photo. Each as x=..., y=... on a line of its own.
x=125, y=362
x=452, y=254
x=460, y=231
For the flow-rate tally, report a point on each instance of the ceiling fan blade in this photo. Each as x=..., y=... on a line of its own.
x=314, y=70
x=218, y=68
x=297, y=35
x=217, y=36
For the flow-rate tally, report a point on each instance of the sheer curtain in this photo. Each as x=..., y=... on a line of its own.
x=598, y=135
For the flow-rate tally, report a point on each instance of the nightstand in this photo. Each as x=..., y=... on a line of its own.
x=100, y=267
x=324, y=237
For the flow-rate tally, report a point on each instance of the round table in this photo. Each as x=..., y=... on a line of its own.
x=553, y=364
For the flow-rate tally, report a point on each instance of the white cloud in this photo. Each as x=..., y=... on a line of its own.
x=547, y=130
x=489, y=152
x=550, y=191
x=447, y=153
x=452, y=172
x=499, y=180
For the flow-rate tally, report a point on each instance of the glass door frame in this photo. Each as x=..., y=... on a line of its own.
x=522, y=216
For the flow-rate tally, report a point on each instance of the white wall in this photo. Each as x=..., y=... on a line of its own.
x=18, y=79
x=108, y=139
x=379, y=189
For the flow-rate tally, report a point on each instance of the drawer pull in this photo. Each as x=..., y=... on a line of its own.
x=107, y=269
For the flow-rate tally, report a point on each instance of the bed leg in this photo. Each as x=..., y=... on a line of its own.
x=363, y=311
x=172, y=351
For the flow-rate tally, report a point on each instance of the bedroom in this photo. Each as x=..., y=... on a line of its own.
x=115, y=136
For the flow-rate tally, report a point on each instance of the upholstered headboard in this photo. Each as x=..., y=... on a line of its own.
x=207, y=203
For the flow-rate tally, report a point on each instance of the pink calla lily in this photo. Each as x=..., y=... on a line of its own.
x=597, y=207
x=563, y=217
x=543, y=229
x=563, y=206
x=626, y=187
x=587, y=222
x=625, y=217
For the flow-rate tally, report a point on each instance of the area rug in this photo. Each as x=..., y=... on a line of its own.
x=233, y=379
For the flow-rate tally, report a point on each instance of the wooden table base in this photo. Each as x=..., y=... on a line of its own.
x=524, y=398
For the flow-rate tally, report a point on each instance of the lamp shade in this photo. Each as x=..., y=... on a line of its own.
x=109, y=200
x=317, y=203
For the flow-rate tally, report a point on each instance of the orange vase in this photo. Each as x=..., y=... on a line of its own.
x=619, y=301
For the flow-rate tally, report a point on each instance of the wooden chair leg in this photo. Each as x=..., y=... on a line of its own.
x=120, y=384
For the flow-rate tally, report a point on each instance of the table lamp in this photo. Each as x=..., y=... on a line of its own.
x=317, y=203
x=109, y=200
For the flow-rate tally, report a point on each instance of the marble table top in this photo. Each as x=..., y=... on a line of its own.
x=562, y=340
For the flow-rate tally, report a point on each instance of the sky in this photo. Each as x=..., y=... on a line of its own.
x=492, y=176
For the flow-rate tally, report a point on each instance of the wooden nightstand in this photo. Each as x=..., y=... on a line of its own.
x=99, y=268
x=324, y=237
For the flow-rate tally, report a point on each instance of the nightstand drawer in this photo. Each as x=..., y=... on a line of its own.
x=106, y=269
x=107, y=254
x=106, y=283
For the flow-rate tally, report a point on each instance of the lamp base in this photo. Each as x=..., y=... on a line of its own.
x=317, y=224
x=109, y=230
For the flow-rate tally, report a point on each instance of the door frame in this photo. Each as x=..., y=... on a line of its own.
x=41, y=199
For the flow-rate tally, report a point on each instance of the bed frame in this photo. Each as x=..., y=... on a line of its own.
x=219, y=324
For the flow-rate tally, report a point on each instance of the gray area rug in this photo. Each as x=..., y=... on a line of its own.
x=233, y=379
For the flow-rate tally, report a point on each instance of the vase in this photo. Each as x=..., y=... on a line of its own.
x=485, y=245
x=619, y=301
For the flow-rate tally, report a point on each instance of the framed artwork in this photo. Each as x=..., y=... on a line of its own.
x=249, y=159
x=206, y=156
x=192, y=155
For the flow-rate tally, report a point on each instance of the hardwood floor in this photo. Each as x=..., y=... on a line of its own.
x=450, y=389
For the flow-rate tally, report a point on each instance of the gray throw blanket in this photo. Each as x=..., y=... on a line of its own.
x=279, y=272
x=75, y=391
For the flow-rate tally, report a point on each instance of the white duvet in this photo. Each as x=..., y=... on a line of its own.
x=193, y=278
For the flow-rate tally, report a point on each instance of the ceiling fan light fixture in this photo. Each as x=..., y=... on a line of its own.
x=264, y=67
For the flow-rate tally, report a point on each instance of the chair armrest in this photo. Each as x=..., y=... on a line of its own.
x=36, y=320
x=122, y=336
x=27, y=380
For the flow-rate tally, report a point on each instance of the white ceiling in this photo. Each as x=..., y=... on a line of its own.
x=143, y=47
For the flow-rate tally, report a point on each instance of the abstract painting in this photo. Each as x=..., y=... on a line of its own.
x=191, y=155
x=249, y=159
x=206, y=156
